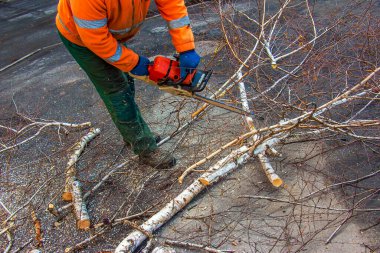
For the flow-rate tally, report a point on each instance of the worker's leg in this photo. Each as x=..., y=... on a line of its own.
x=117, y=92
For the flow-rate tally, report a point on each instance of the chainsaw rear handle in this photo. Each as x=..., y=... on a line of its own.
x=204, y=81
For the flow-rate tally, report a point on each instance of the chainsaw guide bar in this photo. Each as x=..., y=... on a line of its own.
x=165, y=72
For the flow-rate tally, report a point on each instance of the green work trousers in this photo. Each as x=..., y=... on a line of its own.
x=117, y=91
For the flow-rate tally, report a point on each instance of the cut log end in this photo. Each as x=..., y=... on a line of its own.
x=83, y=224
x=204, y=181
x=80, y=210
x=277, y=182
x=51, y=208
x=67, y=196
x=197, y=112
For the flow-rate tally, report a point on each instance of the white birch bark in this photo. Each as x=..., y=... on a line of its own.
x=265, y=163
x=136, y=238
x=161, y=249
x=70, y=169
x=269, y=171
x=80, y=209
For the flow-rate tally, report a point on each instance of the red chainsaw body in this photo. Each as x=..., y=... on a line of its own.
x=164, y=70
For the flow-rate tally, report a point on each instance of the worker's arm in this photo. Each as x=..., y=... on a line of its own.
x=91, y=22
x=175, y=14
x=178, y=21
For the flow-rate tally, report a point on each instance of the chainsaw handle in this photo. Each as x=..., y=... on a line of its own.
x=204, y=82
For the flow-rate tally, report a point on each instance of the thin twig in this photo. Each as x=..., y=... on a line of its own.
x=10, y=242
x=28, y=201
x=195, y=246
x=307, y=205
x=23, y=246
x=28, y=55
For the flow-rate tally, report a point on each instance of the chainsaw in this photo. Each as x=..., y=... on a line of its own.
x=165, y=72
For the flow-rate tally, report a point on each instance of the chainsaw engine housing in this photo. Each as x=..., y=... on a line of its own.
x=165, y=71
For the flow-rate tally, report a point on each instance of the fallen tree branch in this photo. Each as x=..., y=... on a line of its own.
x=195, y=246
x=121, y=220
x=273, y=178
x=23, y=246
x=345, y=96
x=163, y=249
x=372, y=226
x=27, y=202
x=349, y=215
x=57, y=211
x=259, y=149
x=10, y=242
x=283, y=126
x=340, y=184
x=227, y=85
x=269, y=171
x=80, y=209
x=4, y=230
x=207, y=158
x=70, y=169
x=84, y=242
x=42, y=125
x=307, y=205
x=28, y=55
x=5, y=208
x=37, y=229
x=102, y=230
x=134, y=239
x=216, y=170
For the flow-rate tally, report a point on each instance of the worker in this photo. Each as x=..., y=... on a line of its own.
x=95, y=33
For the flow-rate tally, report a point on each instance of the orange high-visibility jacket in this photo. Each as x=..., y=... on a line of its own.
x=103, y=25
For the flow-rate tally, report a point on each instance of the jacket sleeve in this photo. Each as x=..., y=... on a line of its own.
x=90, y=17
x=175, y=14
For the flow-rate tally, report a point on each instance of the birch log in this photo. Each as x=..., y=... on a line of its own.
x=265, y=163
x=37, y=229
x=57, y=211
x=269, y=171
x=259, y=149
x=134, y=239
x=200, y=247
x=219, y=169
x=80, y=209
x=70, y=169
x=216, y=168
x=244, y=101
x=161, y=249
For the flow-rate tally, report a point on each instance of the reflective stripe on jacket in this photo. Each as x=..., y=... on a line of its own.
x=103, y=25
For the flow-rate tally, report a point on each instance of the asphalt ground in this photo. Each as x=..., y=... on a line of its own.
x=50, y=85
